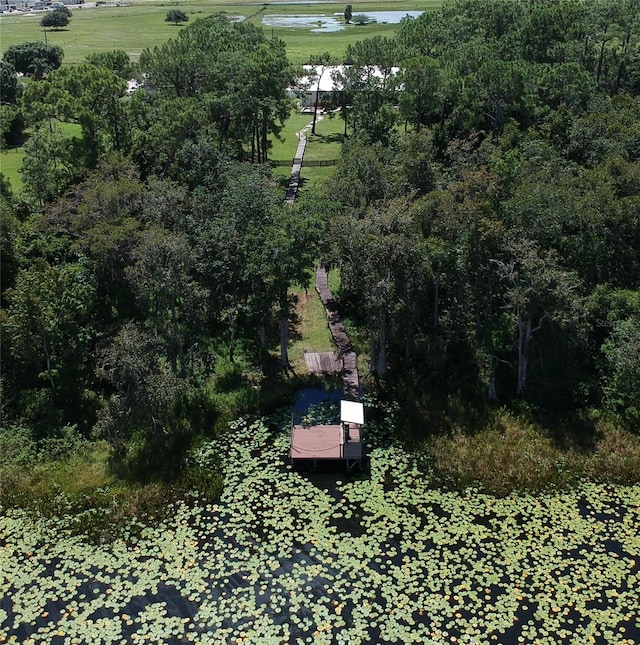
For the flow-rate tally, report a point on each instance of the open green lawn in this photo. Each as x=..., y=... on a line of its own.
x=10, y=162
x=284, y=149
x=140, y=25
x=313, y=177
x=324, y=145
x=312, y=331
x=327, y=141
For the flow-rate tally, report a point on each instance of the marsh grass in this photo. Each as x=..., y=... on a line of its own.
x=73, y=477
x=512, y=453
x=95, y=503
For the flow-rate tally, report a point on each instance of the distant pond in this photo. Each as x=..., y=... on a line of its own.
x=380, y=557
x=319, y=23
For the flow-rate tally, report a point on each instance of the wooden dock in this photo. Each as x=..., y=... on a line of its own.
x=323, y=362
x=326, y=443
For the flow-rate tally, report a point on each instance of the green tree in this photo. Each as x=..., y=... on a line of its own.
x=283, y=253
x=11, y=125
x=87, y=95
x=117, y=61
x=171, y=300
x=55, y=19
x=142, y=419
x=48, y=323
x=537, y=289
x=348, y=13
x=362, y=19
x=102, y=215
x=229, y=229
x=622, y=373
x=176, y=16
x=9, y=88
x=48, y=167
x=364, y=175
x=384, y=269
x=499, y=90
x=373, y=82
x=321, y=64
x=9, y=261
x=34, y=58
x=231, y=71
x=421, y=96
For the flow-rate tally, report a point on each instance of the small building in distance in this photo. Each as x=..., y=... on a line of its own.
x=321, y=81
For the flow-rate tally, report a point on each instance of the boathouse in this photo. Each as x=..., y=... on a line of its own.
x=341, y=442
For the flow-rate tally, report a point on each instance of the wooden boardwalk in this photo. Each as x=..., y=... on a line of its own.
x=350, y=378
x=296, y=167
x=341, y=442
x=323, y=362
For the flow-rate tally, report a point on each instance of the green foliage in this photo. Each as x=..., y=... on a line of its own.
x=148, y=267
x=88, y=95
x=476, y=563
x=622, y=373
x=348, y=13
x=238, y=76
x=56, y=19
x=117, y=61
x=362, y=19
x=34, y=58
x=48, y=322
x=176, y=16
x=9, y=88
x=511, y=453
x=143, y=419
x=48, y=167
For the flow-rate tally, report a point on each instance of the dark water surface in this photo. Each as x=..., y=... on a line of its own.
x=322, y=557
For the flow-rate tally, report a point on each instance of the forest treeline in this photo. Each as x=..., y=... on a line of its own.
x=485, y=218
x=150, y=251
x=489, y=229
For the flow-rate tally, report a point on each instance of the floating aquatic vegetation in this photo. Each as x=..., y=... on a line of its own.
x=378, y=557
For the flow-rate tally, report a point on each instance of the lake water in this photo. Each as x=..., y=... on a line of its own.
x=319, y=23
x=381, y=557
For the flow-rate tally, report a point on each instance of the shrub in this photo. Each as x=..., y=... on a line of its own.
x=362, y=19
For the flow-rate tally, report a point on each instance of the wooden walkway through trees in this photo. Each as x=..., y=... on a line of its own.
x=350, y=378
x=346, y=353
x=329, y=442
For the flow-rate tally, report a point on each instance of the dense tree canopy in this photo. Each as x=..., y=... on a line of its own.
x=485, y=217
x=523, y=109
x=117, y=61
x=231, y=72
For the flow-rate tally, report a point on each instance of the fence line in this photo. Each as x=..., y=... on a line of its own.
x=325, y=162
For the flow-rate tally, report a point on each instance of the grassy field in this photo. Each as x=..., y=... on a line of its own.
x=326, y=143
x=10, y=162
x=284, y=149
x=141, y=25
